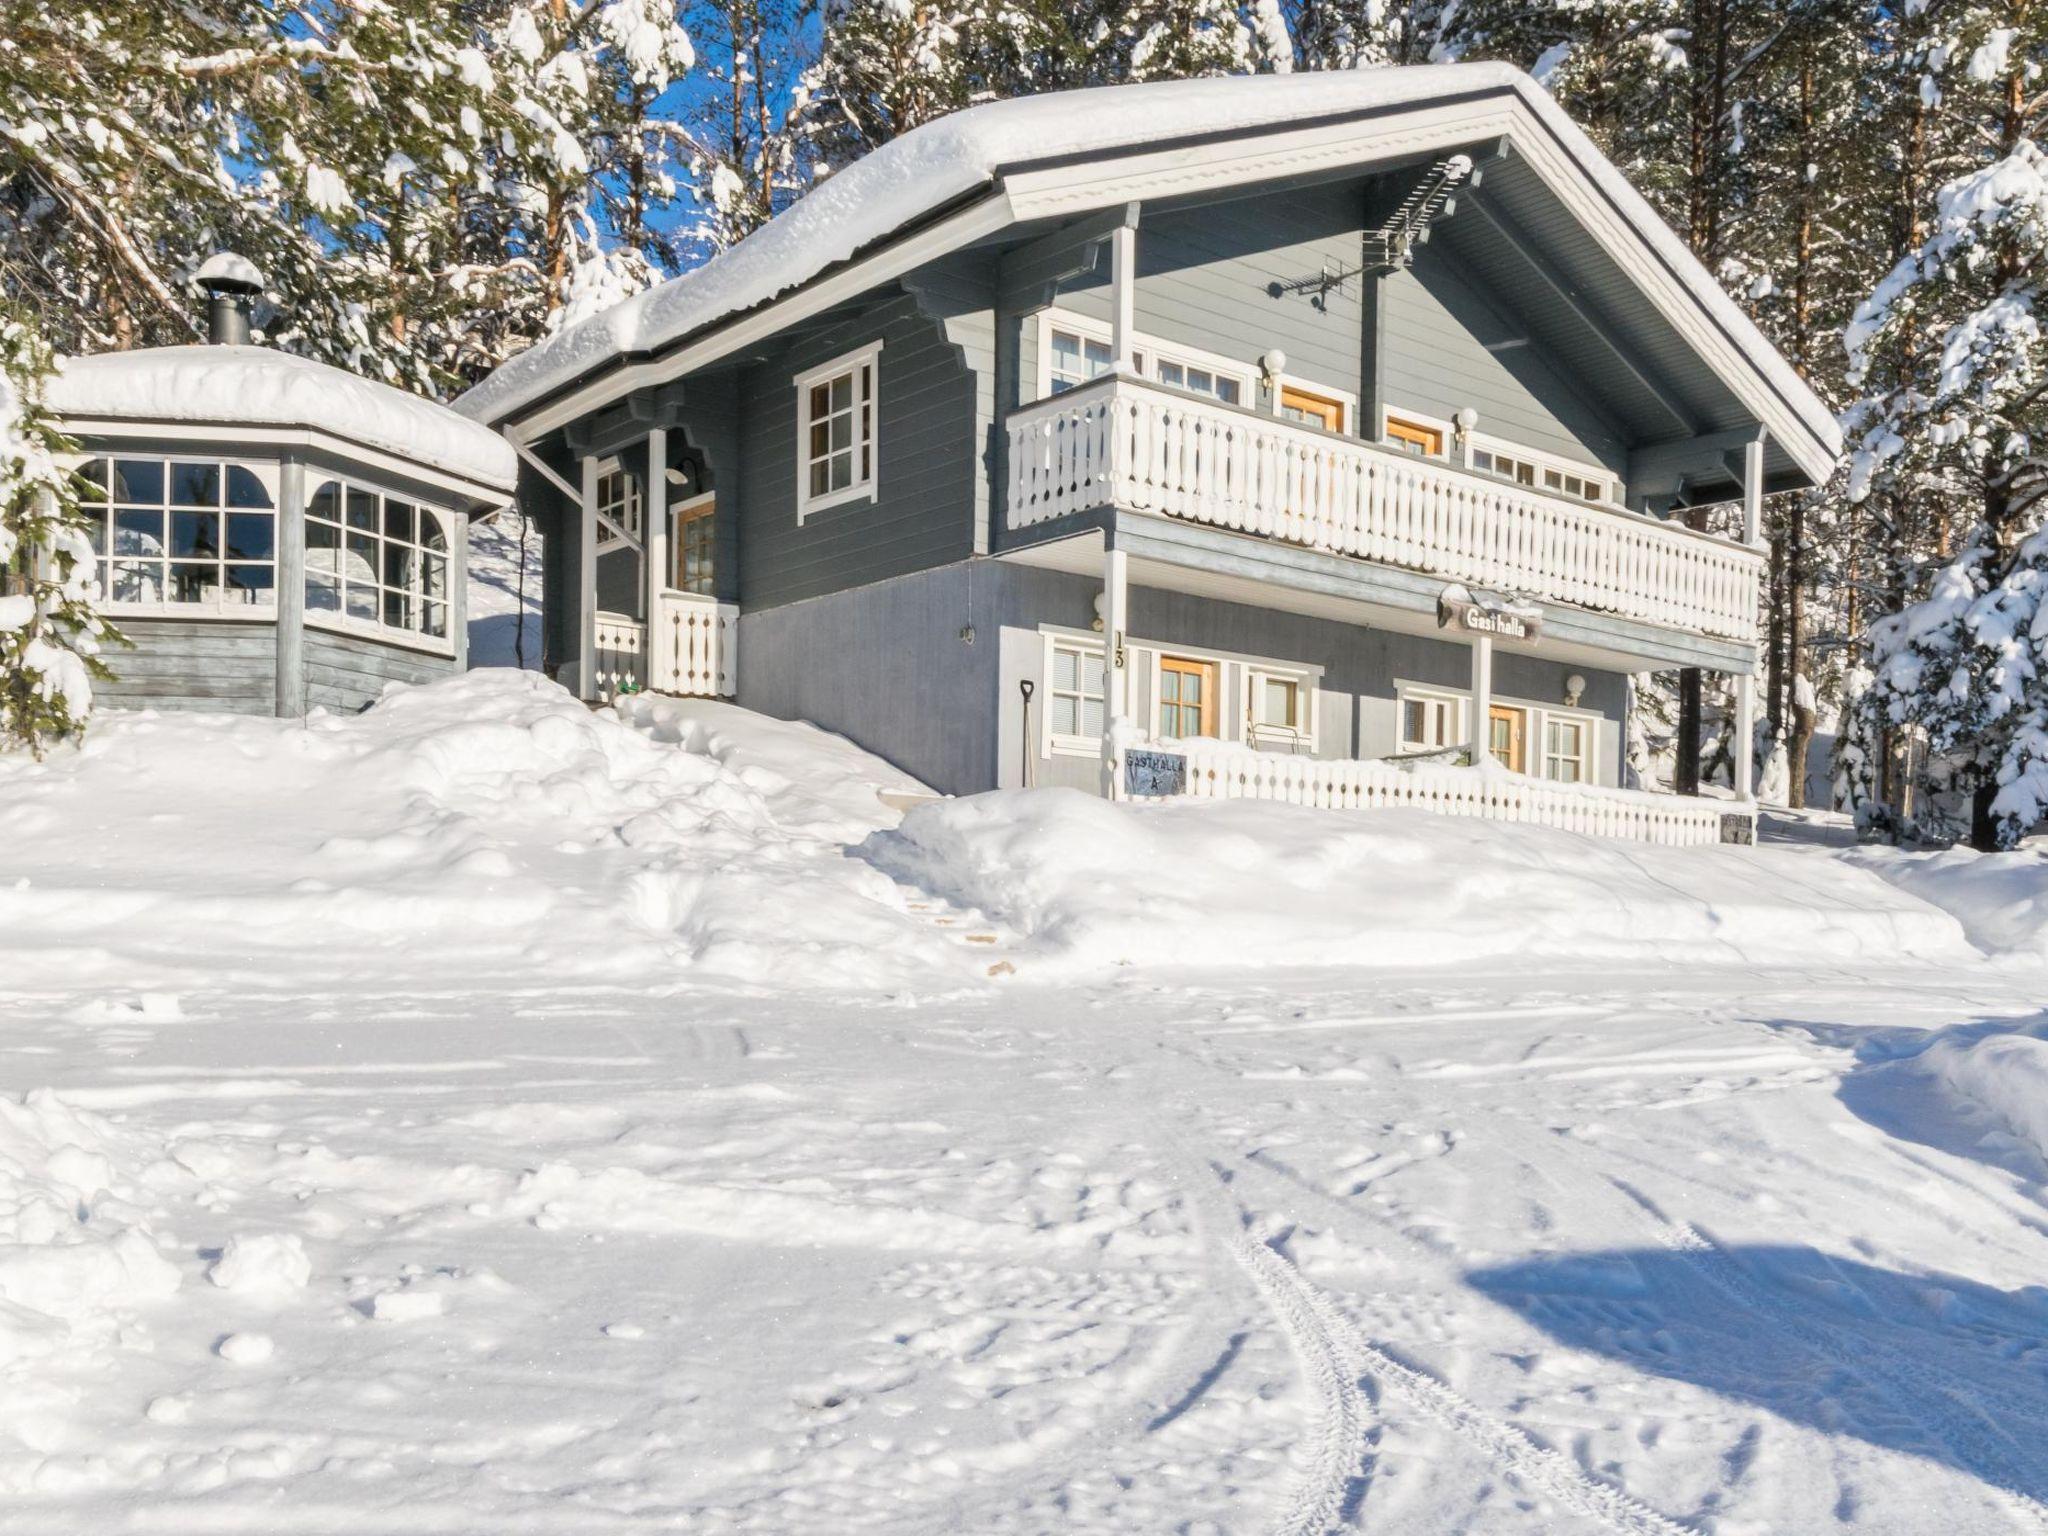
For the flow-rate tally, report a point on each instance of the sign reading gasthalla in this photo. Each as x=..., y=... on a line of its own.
x=1488, y=613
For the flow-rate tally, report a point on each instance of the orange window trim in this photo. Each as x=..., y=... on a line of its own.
x=1205, y=673
x=1322, y=407
x=1428, y=439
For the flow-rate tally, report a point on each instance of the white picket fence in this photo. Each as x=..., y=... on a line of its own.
x=1125, y=443
x=1670, y=820
x=691, y=648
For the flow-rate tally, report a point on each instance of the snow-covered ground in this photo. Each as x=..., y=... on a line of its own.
x=485, y=1116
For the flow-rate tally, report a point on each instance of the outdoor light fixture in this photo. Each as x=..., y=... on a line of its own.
x=1574, y=688
x=1273, y=364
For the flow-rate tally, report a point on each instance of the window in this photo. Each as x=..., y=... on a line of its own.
x=1578, y=484
x=1074, y=700
x=1187, y=698
x=1074, y=350
x=1413, y=437
x=1430, y=722
x=186, y=533
x=695, y=543
x=1564, y=750
x=1276, y=702
x=375, y=561
x=1198, y=380
x=1311, y=409
x=836, y=431
x=618, y=505
x=1074, y=359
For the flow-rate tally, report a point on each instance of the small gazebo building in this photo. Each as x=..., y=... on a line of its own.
x=273, y=534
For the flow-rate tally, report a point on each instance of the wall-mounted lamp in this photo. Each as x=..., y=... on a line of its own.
x=1574, y=689
x=1465, y=421
x=1273, y=364
x=1096, y=623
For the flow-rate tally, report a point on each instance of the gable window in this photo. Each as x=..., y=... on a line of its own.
x=1311, y=408
x=375, y=562
x=1415, y=437
x=836, y=405
x=1074, y=350
x=1074, y=700
x=1578, y=484
x=183, y=533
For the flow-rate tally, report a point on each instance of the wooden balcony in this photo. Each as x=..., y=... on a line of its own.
x=1124, y=443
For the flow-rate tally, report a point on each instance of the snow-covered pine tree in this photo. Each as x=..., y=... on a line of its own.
x=1951, y=341
x=50, y=638
x=738, y=140
x=1363, y=34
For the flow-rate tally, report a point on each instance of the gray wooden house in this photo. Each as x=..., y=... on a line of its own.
x=1290, y=437
x=272, y=533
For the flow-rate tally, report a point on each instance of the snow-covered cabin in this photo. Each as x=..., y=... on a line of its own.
x=273, y=533
x=1283, y=436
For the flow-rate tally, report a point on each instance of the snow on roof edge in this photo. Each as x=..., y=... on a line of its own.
x=263, y=387
x=910, y=177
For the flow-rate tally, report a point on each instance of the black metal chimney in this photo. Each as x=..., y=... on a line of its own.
x=231, y=282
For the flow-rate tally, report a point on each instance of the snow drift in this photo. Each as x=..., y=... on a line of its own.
x=488, y=823
x=2002, y=1078
x=1246, y=884
x=2001, y=899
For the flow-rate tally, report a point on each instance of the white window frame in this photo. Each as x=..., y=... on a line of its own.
x=268, y=473
x=1150, y=350
x=864, y=363
x=1234, y=674
x=341, y=621
x=1478, y=441
x=632, y=500
x=1445, y=428
x=1537, y=714
x=1307, y=682
x=1347, y=402
x=1051, y=742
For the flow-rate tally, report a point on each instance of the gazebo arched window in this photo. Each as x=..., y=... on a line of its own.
x=375, y=561
x=179, y=533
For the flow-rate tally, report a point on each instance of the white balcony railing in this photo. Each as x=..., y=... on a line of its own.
x=1495, y=794
x=1124, y=443
x=692, y=648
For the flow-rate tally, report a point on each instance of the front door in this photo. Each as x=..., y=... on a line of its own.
x=1505, y=736
x=1187, y=697
x=692, y=542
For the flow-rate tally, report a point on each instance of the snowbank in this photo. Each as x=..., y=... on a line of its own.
x=2002, y=1076
x=75, y=1258
x=1240, y=884
x=2001, y=899
x=261, y=386
x=484, y=824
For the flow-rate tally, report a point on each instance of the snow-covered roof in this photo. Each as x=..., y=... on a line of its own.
x=263, y=387
x=941, y=163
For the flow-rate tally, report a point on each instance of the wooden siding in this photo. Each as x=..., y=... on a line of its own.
x=1436, y=360
x=922, y=515
x=347, y=673
x=1205, y=280
x=200, y=664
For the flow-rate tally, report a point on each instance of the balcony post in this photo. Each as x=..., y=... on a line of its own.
x=586, y=581
x=1481, y=722
x=1116, y=689
x=654, y=552
x=1742, y=754
x=1123, y=275
x=1753, y=491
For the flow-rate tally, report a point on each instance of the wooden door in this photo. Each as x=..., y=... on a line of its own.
x=692, y=545
x=1505, y=731
x=1311, y=409
x=1187, y=697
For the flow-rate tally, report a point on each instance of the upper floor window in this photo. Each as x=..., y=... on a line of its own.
x=186, y=533
x=1074, y=350
x=836, y=408
x=1577, y=483
x=375, y=561
x=1415, y=437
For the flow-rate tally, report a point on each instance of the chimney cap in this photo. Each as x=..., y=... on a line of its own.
x=225, y=272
